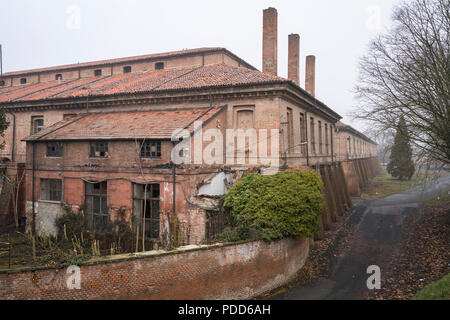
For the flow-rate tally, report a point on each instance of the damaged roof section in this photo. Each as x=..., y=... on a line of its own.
x=126, y=125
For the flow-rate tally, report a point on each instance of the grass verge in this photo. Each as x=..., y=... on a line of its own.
x=438, y=290
x=439, y=200
x=383, y=184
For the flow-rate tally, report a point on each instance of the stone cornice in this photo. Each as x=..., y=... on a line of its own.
x=220, y=94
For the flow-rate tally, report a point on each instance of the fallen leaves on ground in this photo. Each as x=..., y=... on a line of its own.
x=423, y=256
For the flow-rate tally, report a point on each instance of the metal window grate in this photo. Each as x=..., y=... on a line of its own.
x=216, y=222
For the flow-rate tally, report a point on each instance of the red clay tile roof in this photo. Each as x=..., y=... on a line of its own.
x=154, y=124
x=170, y=79
x=153, y=56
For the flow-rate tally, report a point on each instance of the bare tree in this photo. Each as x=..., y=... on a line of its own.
x=15, y=184
x=385, y=141
x=407, y=74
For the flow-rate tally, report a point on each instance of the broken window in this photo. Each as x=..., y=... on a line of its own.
x=127, y=69
x=96, y=206
x=98, y=72
x=37, y=124
x=58, y=76
x=54, y=149
x=151, y=149
x=51, y=189
x=99, y=149
x=146, y=209
x=159, y=66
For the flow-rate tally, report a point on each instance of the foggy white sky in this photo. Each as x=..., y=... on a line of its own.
x=47, y=32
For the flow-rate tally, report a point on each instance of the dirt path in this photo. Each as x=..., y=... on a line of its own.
x=378, y=231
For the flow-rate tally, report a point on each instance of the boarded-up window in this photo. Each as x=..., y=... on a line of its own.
x=244, y=119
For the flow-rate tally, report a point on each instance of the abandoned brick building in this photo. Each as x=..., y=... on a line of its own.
x=98, y=134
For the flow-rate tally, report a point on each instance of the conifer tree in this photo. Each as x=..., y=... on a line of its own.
x=401, y=165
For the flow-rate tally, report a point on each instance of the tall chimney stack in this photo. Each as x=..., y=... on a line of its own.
x=270, y=41
x=310, y=75
x=293, y=58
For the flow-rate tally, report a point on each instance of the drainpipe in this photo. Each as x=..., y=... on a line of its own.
x=33, y=222
x=13, y=145
x=174, y=199
x=174, y=181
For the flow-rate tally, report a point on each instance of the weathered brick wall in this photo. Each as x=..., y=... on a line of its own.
x=359, y=172
x=238, y=271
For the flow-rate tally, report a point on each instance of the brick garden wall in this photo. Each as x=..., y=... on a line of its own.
x=238, y=271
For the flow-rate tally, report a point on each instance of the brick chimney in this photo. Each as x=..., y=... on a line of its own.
x=270, y=41
x=310, y=75
x=293, y=58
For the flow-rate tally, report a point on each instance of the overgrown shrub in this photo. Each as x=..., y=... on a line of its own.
x=70, y=224
x=286, y=204
x=118, y=236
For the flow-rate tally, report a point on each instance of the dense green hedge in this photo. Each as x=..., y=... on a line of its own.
x=286, y=204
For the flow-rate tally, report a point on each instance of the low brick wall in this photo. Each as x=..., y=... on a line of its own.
x=234, y=271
